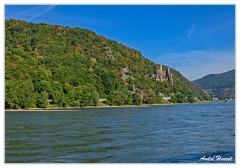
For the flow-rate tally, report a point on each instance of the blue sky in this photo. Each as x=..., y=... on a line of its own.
x=194, y=39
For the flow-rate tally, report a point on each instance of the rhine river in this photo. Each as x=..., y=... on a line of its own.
x=187, y=133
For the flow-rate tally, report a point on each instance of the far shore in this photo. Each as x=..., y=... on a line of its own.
x=72, y=108
x=85, y=107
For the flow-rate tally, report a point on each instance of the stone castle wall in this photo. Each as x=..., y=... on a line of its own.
x=162, y=75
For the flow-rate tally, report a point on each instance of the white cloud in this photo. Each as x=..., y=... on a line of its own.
x=32, y=13
x=42, y=12
x=198, y=63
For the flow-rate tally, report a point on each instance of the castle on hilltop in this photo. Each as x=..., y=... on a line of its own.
x=162, y=75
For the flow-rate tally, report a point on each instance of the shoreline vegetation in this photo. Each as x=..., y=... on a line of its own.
x=86, y=107
x=96, y=107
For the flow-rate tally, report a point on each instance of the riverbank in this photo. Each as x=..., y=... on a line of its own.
x=93, y=107
x=77, y=108
x=72, y=108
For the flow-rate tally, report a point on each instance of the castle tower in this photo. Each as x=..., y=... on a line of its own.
x=169, y=76
x=160, y=75
x=163, y=75
x=171, y=79
x=168, y=72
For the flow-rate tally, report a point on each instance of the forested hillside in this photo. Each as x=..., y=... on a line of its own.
x=54, y=66
x=220, y=85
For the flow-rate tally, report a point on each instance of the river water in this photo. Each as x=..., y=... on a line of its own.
x=187, y=133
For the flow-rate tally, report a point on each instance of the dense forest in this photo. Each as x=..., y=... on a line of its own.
x=219, y=85
x=54, y=66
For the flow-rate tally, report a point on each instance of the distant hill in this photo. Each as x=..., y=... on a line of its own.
x=55, y=66
x=219, y=85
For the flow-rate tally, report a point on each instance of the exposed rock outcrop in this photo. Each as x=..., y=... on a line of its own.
x=108, y=53
x=124, y=74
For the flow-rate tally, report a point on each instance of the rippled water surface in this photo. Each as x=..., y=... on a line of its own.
x=162, y=134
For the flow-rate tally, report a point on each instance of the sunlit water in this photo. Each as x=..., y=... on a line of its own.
x=163, y=134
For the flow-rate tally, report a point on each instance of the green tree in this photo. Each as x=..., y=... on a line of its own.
x=201, y=98
x=116, y=98
x=42, y=100
x=136, y=99
x=207, y=97
x=70, y=93
x=44, y=86
x=150, y=97
x=159, y=99
x=128, y=100
x=190, y=99
x=19, y=94
x=11, y=94
x=174, y=99
x=87, y=95
x=180, y=98
x=57, y=94
x=57, y=97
